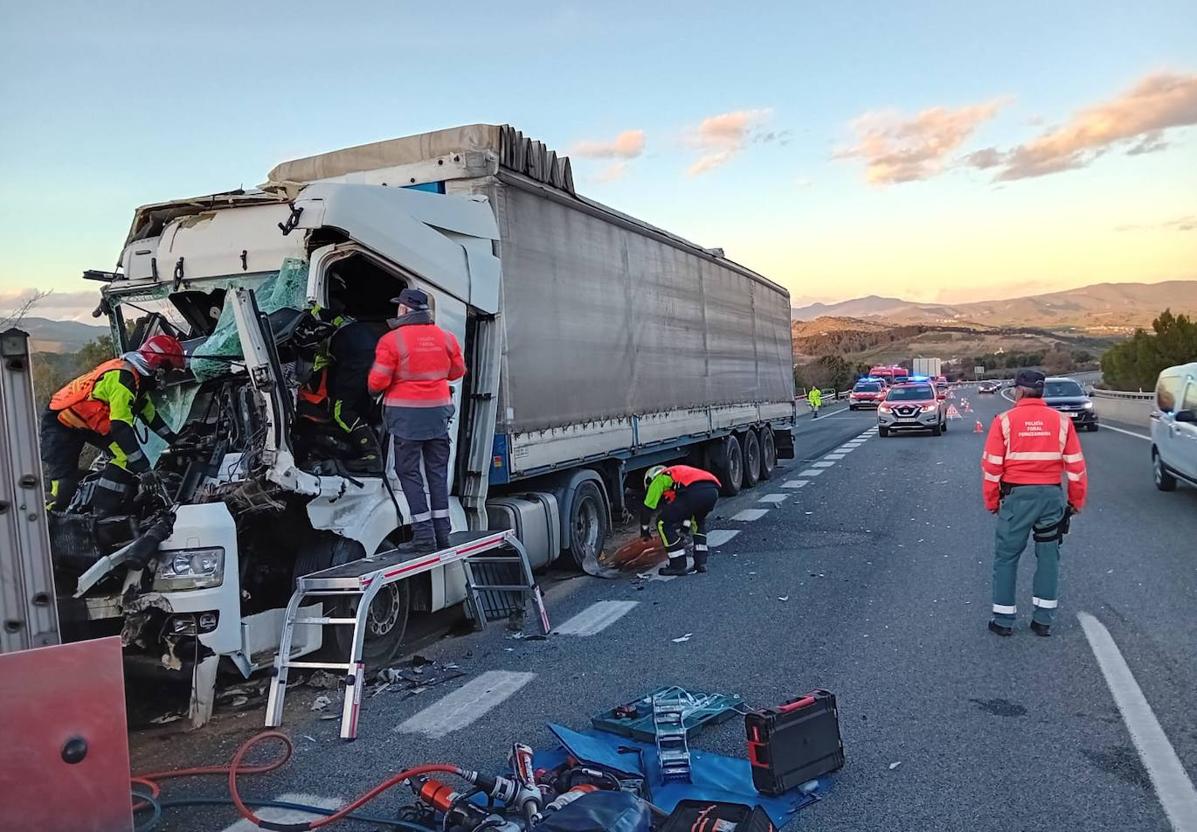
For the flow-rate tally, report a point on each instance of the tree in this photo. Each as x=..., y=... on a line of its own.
x=1134, y=364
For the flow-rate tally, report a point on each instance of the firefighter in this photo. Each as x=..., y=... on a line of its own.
x=337, y=392
x=98, y=408
x=413, y=365
x=815, y=399
x=1030, y=448
x=690, y=495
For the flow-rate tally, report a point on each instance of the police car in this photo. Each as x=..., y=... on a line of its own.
x=912, y=406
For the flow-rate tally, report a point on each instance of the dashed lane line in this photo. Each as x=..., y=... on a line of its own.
x=721, y=536
x=835, y=457
x=1172, y=785
x=822, y=464
x=286, y=816
x=595, y=618
x=794, y=483
x=748, y=515
x=467, y=704
x=776, y=499
x=810, y=472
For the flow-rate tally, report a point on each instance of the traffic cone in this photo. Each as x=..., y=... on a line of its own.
x=978, y=428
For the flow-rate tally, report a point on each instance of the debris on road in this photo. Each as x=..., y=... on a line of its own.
x=321, y=703
x=680, y=639
x=893, y=766
x=417, y=675
x=323, y=680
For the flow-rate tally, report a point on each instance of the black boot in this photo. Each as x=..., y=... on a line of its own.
x=423, y=540
x=441, y=528
x=700, y=560
x=676, y=566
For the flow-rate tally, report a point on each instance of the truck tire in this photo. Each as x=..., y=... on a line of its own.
x=1164, y=480
x=727, y=463
x=768, y=452
x=751, y=445
x=387, y=622
x=587, y=524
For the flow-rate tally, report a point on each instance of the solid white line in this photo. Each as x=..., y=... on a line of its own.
x=822, y=464
x=1105, y=426
x=595, y=618
x=794, y=483
x=720, y=536
x=467, y=704
x=774, y=498
x=810, y=472
x=286, y=815
x=750, y=514
x=1172, y=785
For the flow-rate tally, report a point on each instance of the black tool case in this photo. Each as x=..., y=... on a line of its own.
x=797, y=741
x=713, y=816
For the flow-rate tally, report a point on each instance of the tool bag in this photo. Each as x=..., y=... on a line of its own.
x=797, y=741
x=713, y=816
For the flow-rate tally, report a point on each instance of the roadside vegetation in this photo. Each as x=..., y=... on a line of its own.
x=1135, y=363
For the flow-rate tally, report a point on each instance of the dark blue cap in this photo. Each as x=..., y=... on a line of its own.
x=1032, y=379
x=415, y=298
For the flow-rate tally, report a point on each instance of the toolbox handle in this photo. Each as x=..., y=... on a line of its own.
x=809, y=699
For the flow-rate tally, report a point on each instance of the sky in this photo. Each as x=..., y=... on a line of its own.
x=932, y=151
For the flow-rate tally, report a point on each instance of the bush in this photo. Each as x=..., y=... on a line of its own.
x=1135, y=363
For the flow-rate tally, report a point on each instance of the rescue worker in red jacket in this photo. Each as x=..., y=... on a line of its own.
x=690, y=495
x=413, y=365
x=1030, y=448
x=98, y=408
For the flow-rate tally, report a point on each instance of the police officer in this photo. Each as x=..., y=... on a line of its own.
x=1030, y=448
x=98, y=408
x=413, y=365
x=690, y=495
x=815, y=399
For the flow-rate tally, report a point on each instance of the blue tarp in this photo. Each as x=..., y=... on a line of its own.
x=714, y=776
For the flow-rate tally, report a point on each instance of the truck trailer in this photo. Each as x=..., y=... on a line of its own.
x=596, y=345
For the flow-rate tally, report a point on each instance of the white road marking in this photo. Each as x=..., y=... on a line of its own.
x=750, y=514
x=837, y=456
x=810, y=472
x=846, y=449
x=822, y=464
x=467, y=704
x=656, y=576
x=286, y=815
x=595, y=618
x=720, y=536
x=1172, y=785
x=794, y=483
x=1105, y=426
x=774, y=498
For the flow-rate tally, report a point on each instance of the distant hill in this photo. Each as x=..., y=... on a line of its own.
x=60, y=336
x=1100, y=309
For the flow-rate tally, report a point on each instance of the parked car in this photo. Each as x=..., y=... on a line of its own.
x=989, y=387
x=866, y=394
x=1068, y=396
x=912, y=406
x=1174, y=427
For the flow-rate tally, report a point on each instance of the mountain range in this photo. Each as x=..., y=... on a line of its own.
x=1099, y=309
x=60, y=336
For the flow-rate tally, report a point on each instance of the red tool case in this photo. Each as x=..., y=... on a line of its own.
x=797, y=741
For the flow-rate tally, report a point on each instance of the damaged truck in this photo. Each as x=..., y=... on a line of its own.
x=596, y=345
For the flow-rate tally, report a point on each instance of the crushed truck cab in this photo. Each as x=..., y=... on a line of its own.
x=596, y=345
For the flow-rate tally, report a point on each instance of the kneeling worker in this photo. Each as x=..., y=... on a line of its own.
x=98, y=409
x=690, y=495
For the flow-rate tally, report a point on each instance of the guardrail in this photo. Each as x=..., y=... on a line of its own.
x=1132, y=408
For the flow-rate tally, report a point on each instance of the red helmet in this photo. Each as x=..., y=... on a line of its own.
x=162, y=352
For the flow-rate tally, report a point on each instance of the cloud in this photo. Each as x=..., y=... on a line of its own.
x=1136, y=118
x=627, y=145
x=719, y=139
x=58, y=306
x=1188, y=223
x=900, y=149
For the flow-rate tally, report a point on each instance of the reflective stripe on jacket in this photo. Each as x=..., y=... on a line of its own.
x=93, y=399
x=413, y=365
x=1031, y=444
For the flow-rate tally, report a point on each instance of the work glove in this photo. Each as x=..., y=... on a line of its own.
x=148, y=480
x=645, y=534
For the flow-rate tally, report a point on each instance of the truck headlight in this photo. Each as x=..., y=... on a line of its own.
x=189, y=569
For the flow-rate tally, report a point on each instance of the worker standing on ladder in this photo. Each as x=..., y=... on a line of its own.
x=690, y=495
x=413, y=365
x=98, y=408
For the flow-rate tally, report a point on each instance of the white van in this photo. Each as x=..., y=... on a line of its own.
x=1174, y=427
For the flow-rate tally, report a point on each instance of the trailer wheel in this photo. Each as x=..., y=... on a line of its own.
x=588, y=523
x=727, y=463
x=752, y=458
x=768, y=452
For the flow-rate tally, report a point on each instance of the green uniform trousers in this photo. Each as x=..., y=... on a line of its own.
x=1025, y=508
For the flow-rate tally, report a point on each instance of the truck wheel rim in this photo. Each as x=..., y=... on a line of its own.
x=586, y=528
x=384, y=612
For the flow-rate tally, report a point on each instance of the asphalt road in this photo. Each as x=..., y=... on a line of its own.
x=872, y=580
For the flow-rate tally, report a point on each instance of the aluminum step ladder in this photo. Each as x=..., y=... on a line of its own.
x=673, y=750
x=362, y=579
